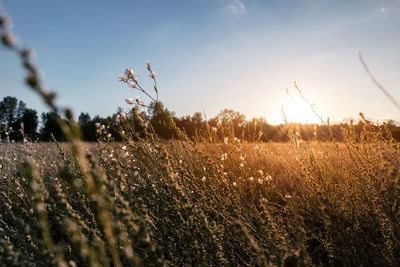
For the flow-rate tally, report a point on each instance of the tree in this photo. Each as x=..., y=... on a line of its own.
x=191, y=125
x=30, y=121
x=11, y=113
x=162, y=120
x=8, y=108
x=231, y=121
x=51, y=126
x=88, y=127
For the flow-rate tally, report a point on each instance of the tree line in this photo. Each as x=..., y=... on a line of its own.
x=17, y=122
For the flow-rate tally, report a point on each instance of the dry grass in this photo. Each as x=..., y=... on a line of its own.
x=184, y=203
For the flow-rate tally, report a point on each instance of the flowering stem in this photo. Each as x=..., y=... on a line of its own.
x=142, y=90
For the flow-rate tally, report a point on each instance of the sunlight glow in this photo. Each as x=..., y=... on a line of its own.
x=297, y=110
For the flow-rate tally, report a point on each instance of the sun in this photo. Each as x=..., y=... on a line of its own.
x=299, y=111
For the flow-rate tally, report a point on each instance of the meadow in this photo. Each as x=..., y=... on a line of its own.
x=151, y=202
x=215, y=200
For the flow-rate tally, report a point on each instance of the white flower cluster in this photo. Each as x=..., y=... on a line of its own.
x=129, y=77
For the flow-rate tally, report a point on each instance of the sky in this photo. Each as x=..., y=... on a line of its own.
x=212, y=54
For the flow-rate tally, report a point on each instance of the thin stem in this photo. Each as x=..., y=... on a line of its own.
x=142, y=90
x=155, y=87
x=371, y=76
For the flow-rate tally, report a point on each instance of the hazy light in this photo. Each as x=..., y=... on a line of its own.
x=297, y=110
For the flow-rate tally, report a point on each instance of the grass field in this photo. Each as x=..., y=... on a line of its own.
x=184, y=203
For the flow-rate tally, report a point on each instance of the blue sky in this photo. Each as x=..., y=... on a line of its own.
x=212, y=54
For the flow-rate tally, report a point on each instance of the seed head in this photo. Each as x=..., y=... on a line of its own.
x=132, y=85
x=129, y=101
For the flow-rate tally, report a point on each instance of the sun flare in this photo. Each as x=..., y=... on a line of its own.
x=299, y=111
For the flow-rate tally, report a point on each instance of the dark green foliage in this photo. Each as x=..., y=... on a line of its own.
x=30, y=122
x=50, y=121
x=88, y=127
x=161, y=120
x=8, y=110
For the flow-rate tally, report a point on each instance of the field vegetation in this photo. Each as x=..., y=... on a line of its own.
x=216, y=199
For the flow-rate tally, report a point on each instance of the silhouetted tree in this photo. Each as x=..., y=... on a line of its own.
x=51, y=126
x=88, y=127
x=30, y=120
x=192, y=126
x=11, y=114
x=14, y=113
x=161, y=120
x=8, y=110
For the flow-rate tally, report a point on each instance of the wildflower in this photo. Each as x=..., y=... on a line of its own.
x=234, y=183
x=153, y=75
x=203, y=179
x=123, y=147
x=226, y=139
x=242, y=124
x=132, y=85
x=288, y=196
x=180, y=161
x=129, y=101
x=123, y=78
x=268, y=177
x=260, y=181
x=130, y=73
x=109, y=135
x=251, y=178
x=241, y=165
x=148, y=65
x=224, y=156
x=214, y=129
x=256, y=147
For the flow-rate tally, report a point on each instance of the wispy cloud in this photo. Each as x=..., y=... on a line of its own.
x=236, y=7
x=382, y=10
